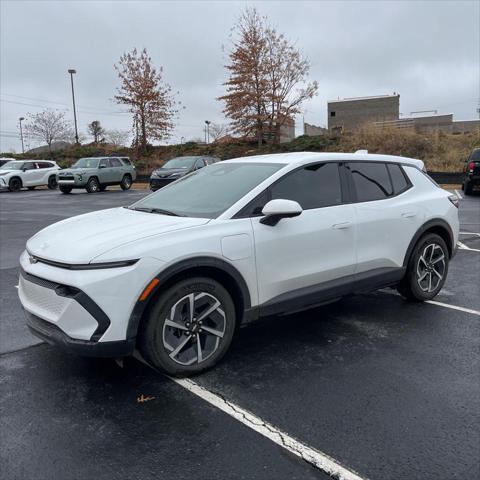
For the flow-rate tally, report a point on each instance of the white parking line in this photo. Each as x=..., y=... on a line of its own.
x=458, y=194
x=462, y=246
x=310, y=455
x=470, y=233
x=453, y=307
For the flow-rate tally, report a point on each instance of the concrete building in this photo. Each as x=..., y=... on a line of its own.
x=312, y=130
x=433, y=123
x=350, y=114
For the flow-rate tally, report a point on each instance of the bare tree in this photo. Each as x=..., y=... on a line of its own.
x=218, y=130
x=96, y=130
x=48, y=126
x=267, y=83
x=119, y=138
x=150, y=99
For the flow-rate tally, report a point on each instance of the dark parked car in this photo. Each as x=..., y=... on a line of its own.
x=176, y=168
x=472, y=172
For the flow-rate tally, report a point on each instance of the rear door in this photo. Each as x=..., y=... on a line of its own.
x=387, y=213
x=118, y=169
x=105, y=171
x=311, y=249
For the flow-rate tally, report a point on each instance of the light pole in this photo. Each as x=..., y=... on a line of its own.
x=21, y=132
x=207, y=131
x=182, y=140
x=71, y=71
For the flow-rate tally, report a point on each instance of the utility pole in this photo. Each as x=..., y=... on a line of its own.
x=21, y=133
x=71, y=71
x=207, y=131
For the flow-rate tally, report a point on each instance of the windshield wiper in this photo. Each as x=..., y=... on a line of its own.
x=161, y=211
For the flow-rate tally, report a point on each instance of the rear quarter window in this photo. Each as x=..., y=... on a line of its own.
x=126, y=161
x=400, y=182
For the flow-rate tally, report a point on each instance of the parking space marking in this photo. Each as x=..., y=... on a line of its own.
x=470, y=233
x=438, y=304
x=453, y=307
x=462, y=246
x=310, y=455
x=458, y=194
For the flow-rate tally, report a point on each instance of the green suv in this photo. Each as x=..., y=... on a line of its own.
x=96, y=174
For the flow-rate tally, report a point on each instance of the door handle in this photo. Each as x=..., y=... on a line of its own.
x=409, y=214
x=342, y=226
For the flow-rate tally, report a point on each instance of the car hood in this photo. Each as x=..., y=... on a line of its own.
x=5, y=172
x=80, y=239
x=170, y=171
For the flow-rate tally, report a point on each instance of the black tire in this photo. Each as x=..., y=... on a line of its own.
x=15, y=184
x=154, y=334
x=65, y=188
x=126, y=182
x=93, y=186
x=103, y=188
x=420, y=264
x=31, y=188
x=52, y=183
x=468, y=187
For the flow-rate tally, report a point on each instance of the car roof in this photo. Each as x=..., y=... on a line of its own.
x=302, y=158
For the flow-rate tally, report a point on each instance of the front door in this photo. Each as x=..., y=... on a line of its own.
x=32, y=175
x=317, y=246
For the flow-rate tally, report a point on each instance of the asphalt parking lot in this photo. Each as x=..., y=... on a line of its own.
x=384, y=388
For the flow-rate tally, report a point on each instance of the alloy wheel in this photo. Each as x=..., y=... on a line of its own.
x=431, y=268
x=194, y=329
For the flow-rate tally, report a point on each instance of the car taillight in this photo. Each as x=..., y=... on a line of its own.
x=454, y=200
x=471, y=166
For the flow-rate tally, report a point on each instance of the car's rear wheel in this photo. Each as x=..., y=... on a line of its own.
x=468, y=187
x=65, y=188
x=126, y=182
x=15, y=184
x=93, y=186
x=52, y=182
x=427, y=269
x=189, y=328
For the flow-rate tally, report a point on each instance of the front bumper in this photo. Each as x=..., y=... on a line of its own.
x=156, y=183
x=3, y=184
x=53, y=335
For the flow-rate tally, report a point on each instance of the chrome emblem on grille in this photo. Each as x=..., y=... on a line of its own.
x=32, y=259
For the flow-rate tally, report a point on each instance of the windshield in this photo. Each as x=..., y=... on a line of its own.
x=208, y=192
x=12, y=165
x=180, y=162
x=86, y=163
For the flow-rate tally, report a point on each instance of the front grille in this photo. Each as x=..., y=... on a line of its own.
x=65, y=177
x=159, y=182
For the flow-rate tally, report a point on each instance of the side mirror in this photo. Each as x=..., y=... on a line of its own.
x=277, y=209
x=102, y=166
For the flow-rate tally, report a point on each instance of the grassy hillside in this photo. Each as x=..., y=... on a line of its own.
x=441, y=152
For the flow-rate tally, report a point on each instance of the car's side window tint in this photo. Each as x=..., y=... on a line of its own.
x=44, y=165
x=399, y=181
x=314, y=186
x=29, y=166
x=104, y=163
x=371, y=180
x=115, y=162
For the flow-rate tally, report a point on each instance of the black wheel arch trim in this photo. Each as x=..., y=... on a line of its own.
x=436, y=222
x=180, y=267
x=79, y=296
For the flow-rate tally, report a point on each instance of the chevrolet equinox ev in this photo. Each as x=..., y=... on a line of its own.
x=176, y=273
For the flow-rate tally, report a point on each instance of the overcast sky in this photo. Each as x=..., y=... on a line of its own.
x=429, y=52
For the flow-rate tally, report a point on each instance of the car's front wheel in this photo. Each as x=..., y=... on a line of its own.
x=427, y=269
x=15, y=184
x=189, y=328
x=93, y=186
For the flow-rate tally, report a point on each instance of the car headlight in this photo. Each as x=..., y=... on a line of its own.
x=176, y=175
x=154, y=174
x=2, y=181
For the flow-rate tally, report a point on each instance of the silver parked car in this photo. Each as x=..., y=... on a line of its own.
x=97, y=173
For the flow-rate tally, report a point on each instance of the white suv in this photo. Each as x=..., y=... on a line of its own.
x=17, y=174
x=176, y=273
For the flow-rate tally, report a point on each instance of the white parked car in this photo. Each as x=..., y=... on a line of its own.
x=18, y=174
x=176, y=273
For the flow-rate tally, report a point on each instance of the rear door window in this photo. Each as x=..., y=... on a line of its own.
x=115, y=162
x=371, y=180
x=399, y=180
